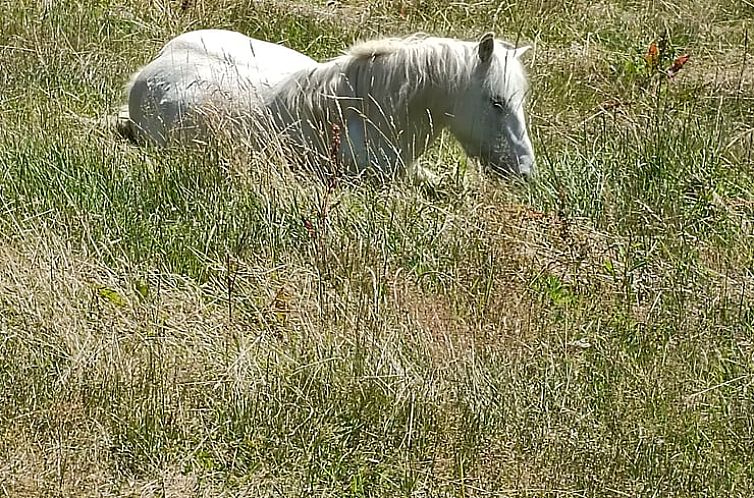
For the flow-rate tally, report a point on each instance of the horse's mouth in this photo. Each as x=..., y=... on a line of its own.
x=507, y=165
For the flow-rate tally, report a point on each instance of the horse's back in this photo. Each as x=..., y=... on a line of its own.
x=208, y=68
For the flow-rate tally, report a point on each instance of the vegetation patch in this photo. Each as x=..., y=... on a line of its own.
x=212, y=323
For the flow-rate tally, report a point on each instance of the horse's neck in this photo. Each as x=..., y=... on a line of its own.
x=388, y=128
x=427, y=117
x=410, y=122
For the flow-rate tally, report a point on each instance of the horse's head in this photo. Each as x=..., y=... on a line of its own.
x=488, y=115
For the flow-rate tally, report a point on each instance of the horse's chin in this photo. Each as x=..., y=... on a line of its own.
x=518, y=167
x=503, y=164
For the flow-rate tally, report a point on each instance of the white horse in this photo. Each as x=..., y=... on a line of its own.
x=376, y=109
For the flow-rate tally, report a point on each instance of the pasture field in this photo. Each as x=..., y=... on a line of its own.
x=208, y=323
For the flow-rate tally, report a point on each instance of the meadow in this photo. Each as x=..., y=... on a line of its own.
x=180, y=323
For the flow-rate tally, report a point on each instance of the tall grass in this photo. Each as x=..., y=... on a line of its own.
x=210, y=323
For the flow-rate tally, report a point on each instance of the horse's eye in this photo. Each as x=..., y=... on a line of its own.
x=498, y=104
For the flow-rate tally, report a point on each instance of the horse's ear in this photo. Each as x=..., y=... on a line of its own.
x=486, y=46
x=518, y=52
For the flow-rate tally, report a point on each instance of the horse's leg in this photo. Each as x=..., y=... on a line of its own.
x=353, y=154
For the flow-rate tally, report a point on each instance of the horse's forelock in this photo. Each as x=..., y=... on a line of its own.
x=509, y=73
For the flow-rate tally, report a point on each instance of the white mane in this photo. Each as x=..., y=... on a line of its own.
x=425, y=60
x=388, y=67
